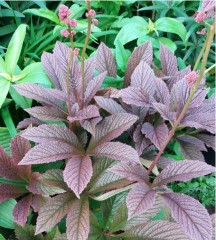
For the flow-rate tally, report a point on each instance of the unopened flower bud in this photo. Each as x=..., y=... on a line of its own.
x=90, y=13
x=202, y=32
x=76, y=51
x=191, y=78
x=73, y=33
x=95, y=21
x=65, y=33
x=73, y=23
x=64, y=12
x=200, y=17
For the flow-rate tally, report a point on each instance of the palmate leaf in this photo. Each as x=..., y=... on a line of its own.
x=78, y=222
x=102, y=180
x=27, y=232
x=168, y=61
x=157, y=135
x=111, y=127
x=47, y=113
x=165, y=112
x=90, y=124
x=141, y=142
x=109, y=105
x=183, y=171
x=156, y=230
x=139, y=199
x=88, y=112
x=135, y=96
x=130, y=170
x=105, y=61
x=46, y=152
x=47, y=184
x=38, y=93
x=116, y=151
x=146, y=216
x=190, y=215
x=93, y=86
x=8, y=191
x=143, y=78
x=22, y=209
x=29, y=122
x=162, y=91
x=90, y=64
x=38, y=202
x=142, y=53
x=52, y=133
x=53, y=211
x=77, y=173
x=207, y=139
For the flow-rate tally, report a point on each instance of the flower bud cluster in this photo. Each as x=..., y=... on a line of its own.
x=91, y=13
x=64, y=13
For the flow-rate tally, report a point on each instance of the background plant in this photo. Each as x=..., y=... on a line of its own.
x=57, y=109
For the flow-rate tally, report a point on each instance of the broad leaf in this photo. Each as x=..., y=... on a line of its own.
x=190, y=215
x=53, y=211
x=47, y=184
x=45, y=13
x=183, y=171
x=38, y=93
x=157, y=135
x=130, y=170
x=93, y=86
x=4, y=88
x=27, y=232
x=78, y=223
x=14, y=48
x=6, y=216
x=109, y=105
x=142, y=53
x=77, y=173
x=207, y=139
x=171, y=25
x=47, y=113
x=105, y=61
x=9, y=191
x=140, y=199
x=52, y=133
x=116, y=151
x=22, y=209
x=113, y=126
x=168, y=61
x=46, y=152
x=156, y=230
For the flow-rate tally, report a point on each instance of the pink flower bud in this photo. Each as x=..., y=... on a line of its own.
x=200, y=17
x=73, y=33
x=90, y=13
x=95, y=21
x=73, y=23
x=64, y=12
x=65, y=33
x=76, y=51
x=202, y=32
x=191, y=78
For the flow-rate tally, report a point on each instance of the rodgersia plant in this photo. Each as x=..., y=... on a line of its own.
x=87, y=136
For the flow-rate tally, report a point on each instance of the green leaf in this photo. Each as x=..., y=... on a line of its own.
x=7, y=29
x=34, y=73
x=14, y=48
x=21, y=101
x=27, y=232
x=121, y=56
x=171, y=25
x=112, y=82
x=8, y=121
x=169, y=43
x=4, y=88
x=131, y=32
x=5, y=139
x=6, y=216
x=45, y=13
x=2, y=238
x=2, y=65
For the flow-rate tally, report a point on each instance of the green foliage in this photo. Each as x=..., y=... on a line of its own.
x=202, y=188
x=6, y=216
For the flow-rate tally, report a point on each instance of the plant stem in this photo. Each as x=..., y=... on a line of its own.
x=84, y=50
x=210, y=68
x=193, y=91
